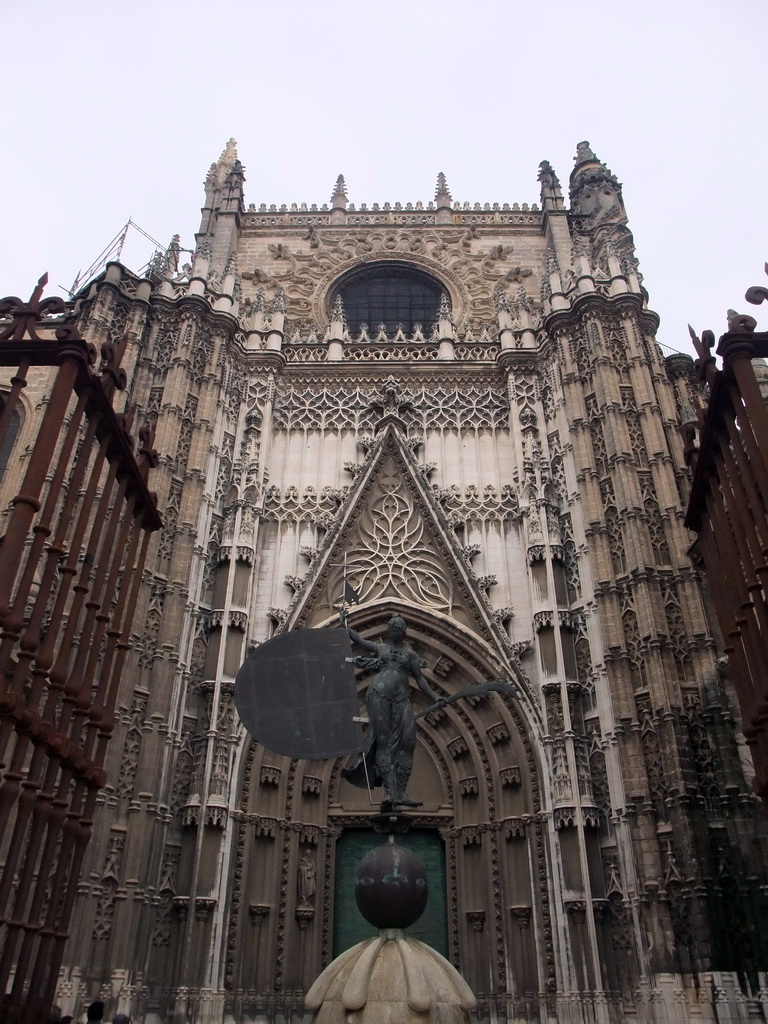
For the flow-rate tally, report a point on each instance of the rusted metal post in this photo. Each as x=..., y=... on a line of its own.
x=728, y=507
x=71, y=562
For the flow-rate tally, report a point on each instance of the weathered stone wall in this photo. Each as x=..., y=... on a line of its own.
x=523, y=465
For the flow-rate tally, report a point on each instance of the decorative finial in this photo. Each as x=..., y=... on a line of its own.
x=442, y=192
x=24, y=316
x=595, y=192
x=339, y=197
x=502, y=302
x=229, y=153
x=584, y=153
x=444, y=309
x=337, y=310
x=227, y=163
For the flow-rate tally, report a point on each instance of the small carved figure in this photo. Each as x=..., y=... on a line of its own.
x=306, y=880
x=584, y=152
x=547, y=175
x=184, y=275
x=391, y=737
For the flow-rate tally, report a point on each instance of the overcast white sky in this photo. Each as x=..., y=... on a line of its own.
x=116, y=110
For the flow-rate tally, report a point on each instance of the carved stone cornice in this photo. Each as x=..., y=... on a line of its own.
x=626, y=304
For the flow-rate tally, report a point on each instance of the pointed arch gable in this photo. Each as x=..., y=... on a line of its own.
x=403, y=550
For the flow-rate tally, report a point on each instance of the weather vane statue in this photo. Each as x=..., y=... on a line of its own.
x=296, y=694
x=391, y=737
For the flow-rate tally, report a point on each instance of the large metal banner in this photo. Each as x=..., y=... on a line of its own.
x=296, y=694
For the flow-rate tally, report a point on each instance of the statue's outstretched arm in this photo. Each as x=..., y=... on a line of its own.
x=421, y=682
x=369, y=645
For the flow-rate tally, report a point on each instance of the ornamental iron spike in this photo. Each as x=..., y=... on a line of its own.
x=24, y=316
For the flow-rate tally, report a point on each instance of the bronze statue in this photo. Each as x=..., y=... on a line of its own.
x=391, y=737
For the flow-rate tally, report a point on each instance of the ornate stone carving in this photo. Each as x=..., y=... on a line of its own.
x=258, y=912
x=521, y=915
x=306, y=884
x=393, y=552
x=469, y=786
x=203, y=907
x=443, y=667
x=565, y=817
x=476, y=918
x=311, y=784
x=457, y=747
x=497, y=733
x=510, y=776
x=270, y=776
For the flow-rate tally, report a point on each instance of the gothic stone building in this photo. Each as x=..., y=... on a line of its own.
x=469, y=404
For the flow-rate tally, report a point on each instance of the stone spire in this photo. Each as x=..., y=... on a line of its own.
x=442, y=192
x=443, y=200
x=595, y=192
x=339, y=197
x=226, y=162
x=220, y=216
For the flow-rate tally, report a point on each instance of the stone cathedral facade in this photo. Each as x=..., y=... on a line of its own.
x=468, y=404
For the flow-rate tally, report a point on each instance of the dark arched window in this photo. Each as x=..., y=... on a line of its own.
x=390, y=294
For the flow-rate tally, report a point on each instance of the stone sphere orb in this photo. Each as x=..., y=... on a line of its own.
x=391, y=887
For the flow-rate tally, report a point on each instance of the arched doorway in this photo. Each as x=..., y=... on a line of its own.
x=476, y=773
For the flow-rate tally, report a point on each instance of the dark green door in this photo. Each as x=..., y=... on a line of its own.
x=349, y=925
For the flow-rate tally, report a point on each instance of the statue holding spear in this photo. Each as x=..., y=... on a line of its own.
x=390, y=740
x=296, y=694
x=391, y=737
